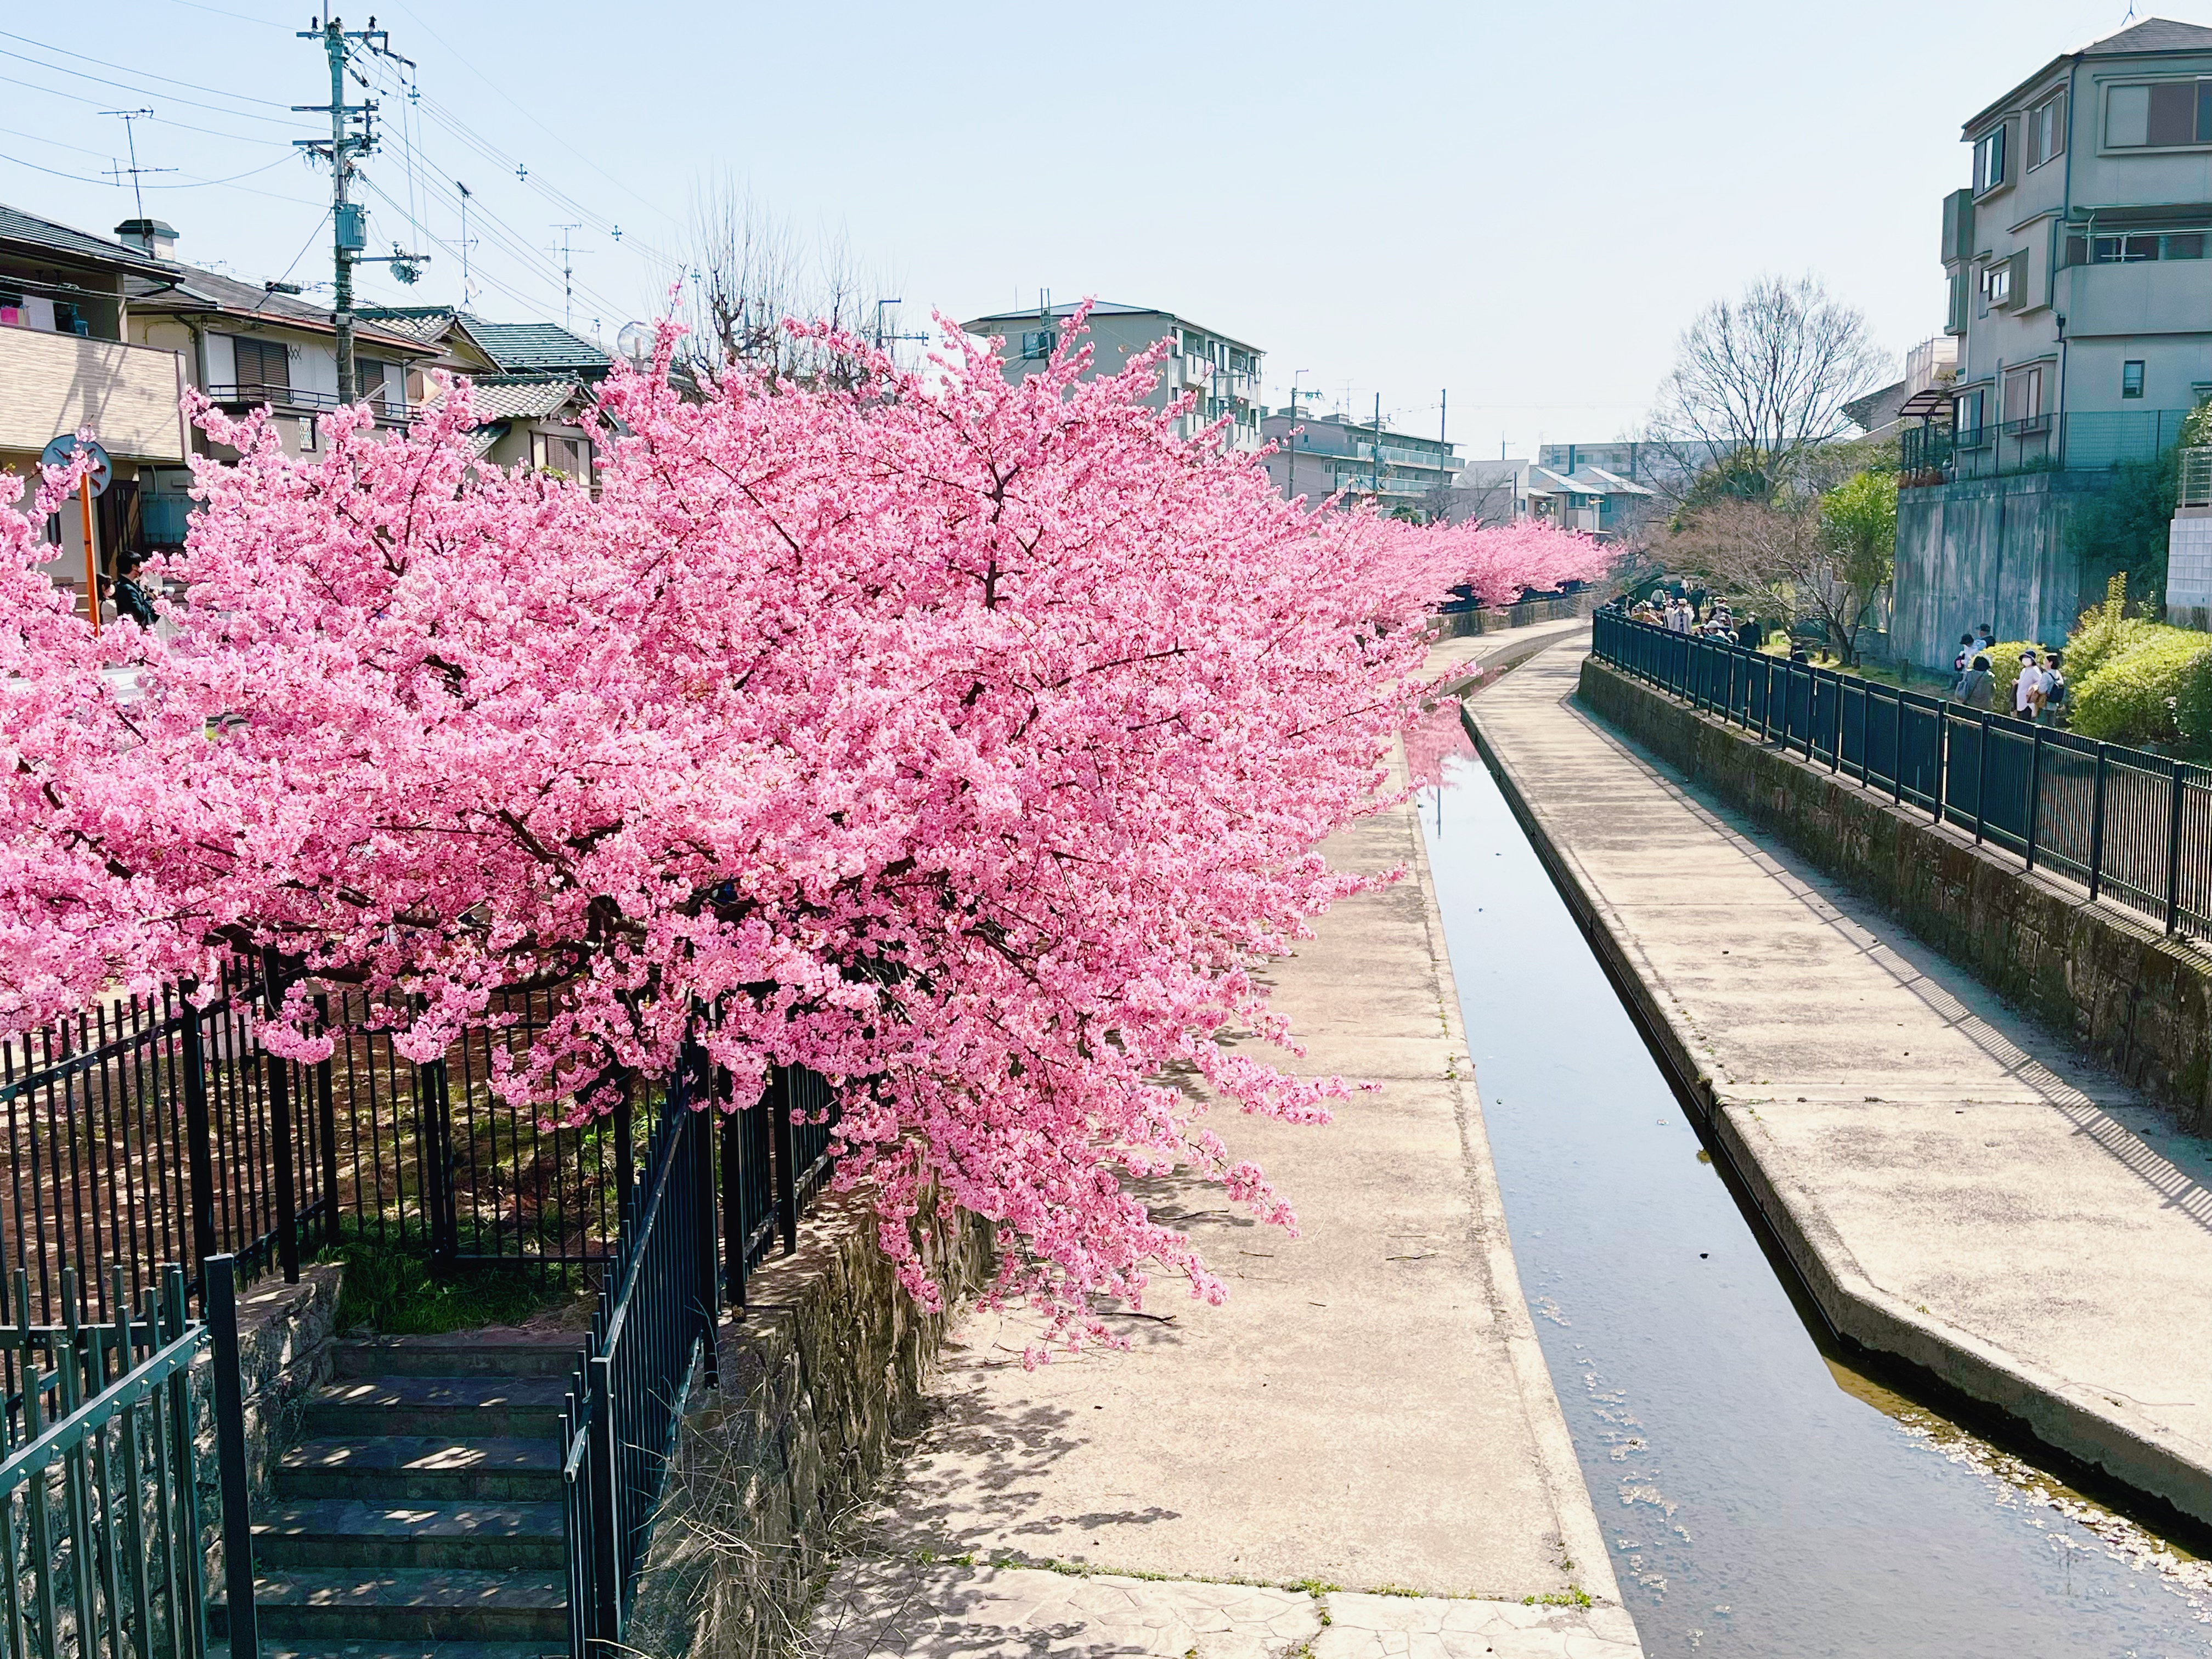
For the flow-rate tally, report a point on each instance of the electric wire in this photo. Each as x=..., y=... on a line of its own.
x=150, y=75
x=143, y=91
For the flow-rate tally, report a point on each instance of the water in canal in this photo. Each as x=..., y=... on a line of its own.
x=1760, y=1498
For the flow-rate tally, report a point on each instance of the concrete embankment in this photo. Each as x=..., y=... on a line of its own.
x=1954, y=1186
x=1360, y=1454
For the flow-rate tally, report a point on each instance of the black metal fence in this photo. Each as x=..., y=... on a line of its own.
x=150, y=1130
x=100, y=1489
x=153, y=1129
x=2129, y=825
x=674, y=1264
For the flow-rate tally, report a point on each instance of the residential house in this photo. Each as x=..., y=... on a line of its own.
x=2080, y=293
x=68, y=360
x=1590, y=499
x=1319, y=456
x=1223, y=373
x=532, y=383
x=249, y=346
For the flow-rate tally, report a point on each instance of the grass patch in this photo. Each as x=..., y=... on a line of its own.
x=392, y=1288
x=1573, y=1597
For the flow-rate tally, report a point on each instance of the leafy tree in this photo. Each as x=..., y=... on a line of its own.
x=2126, y=527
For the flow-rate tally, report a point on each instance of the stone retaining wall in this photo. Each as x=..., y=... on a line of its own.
x=2139, y=1002
x=818, y=1380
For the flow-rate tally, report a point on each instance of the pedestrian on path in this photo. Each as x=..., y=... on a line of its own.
x=2054, y=688
x=2027, y=689
x=1963, y=658
x=1976, y=686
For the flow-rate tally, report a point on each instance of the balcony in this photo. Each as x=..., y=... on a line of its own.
x=299, y=400
x=52, y=384
x=2086, y=442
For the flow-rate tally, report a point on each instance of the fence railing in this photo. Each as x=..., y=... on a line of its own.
x=1452, y=624
x=2088, y=440
x=2129, y=825
x=150, y=1130
x=99, y=1484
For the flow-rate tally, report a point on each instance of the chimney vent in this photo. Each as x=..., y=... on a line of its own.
x=153, y=237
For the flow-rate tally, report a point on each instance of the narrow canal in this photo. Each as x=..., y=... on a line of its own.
x=1759, y=1495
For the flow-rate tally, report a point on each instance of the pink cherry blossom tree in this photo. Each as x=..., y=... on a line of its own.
x=966, y=742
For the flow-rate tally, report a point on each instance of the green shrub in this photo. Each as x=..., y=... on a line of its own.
x=2133, y=696
x=2101, y=637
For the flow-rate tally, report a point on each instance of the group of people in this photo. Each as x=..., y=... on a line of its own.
x=2038, y=690
x=1679, y=615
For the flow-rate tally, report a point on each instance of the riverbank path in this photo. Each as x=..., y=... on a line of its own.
x=1954, y=1183
x=1359, y=1455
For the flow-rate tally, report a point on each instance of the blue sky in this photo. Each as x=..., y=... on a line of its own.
x=1521, y=204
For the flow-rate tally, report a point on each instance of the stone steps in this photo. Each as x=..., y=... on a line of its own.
x=408, y=1605
x=465, y=1353
x=398, y=1466
x=351, y=1532
x=421, y=1517
x=458, y=1407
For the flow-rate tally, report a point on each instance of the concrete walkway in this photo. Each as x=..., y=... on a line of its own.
x=1359, y=1455
x=1954, y=1185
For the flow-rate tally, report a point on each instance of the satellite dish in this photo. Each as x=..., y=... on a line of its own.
x=635, y=342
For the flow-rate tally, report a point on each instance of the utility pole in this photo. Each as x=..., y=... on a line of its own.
x=342, y=149
x=131, y=138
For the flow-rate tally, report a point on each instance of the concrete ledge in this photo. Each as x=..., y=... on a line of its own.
x=2138, y=1002
x=818, y=1379
x=2096, y=1427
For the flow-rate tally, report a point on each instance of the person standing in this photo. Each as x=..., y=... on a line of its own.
x=1963, y=658
x=2027, y=688
x=2054, y=688
x=1986, y=640
x=1976, y=686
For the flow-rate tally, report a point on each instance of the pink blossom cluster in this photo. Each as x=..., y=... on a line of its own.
x=969, y=743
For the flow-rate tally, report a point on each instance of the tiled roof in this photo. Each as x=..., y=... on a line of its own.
x=522, y=400
x=425, y=324
x=17, y=225
x=2153, y=34
x=520, y=347
x=191, y=289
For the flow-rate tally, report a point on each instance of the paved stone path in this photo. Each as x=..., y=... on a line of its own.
x=1956, y=1185
x=1370, y=1411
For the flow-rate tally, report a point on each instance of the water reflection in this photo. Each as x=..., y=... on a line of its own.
x=1759, y=1497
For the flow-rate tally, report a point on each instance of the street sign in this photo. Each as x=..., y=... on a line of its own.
x=57, y=453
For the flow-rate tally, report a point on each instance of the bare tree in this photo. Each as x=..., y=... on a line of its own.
x=1797, y=555
x=1764, y=380
x=749, y=271
x=1486, y=495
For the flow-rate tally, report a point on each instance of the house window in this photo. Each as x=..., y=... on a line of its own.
x=1037, y=343
x=67, y=319
x=2162, y=114
x=2023, y=394
x=2134, y=250
x=2131, y=378
x=2047, y=131
x=263, y=371
x=1997, y=285
x=1990, y=158
x=569, y=457
x=310, y=437
x=1967, y=417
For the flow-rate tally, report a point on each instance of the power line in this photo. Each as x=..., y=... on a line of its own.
x=124, y=69
x=530, y=116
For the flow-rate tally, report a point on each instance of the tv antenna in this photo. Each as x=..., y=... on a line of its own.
x=130, y=139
